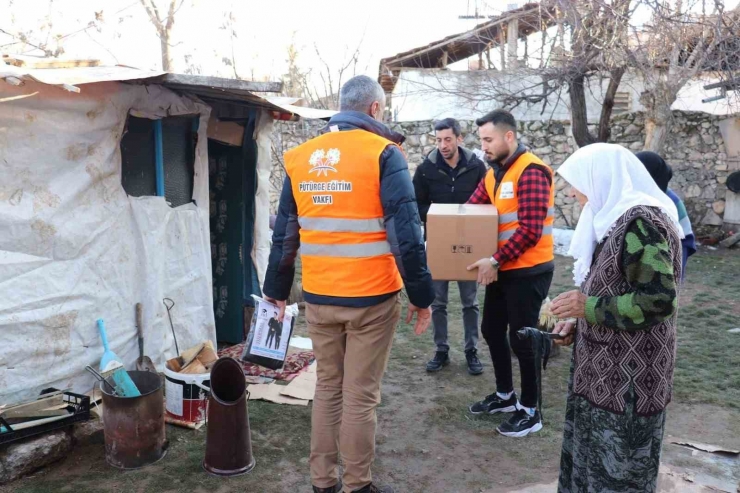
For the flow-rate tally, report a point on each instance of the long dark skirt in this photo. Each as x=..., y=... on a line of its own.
x=609, y=453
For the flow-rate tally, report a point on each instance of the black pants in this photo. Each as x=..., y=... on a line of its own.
x=511, y=304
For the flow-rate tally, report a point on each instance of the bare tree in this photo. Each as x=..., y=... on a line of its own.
x=575, y=49
x=42, y=39
x=294, y=81
x=228, y=26
x=597, y=28
x=319, y=87
x=598, y=43
x=164, y=26
x=326, y=96
x=682, y=41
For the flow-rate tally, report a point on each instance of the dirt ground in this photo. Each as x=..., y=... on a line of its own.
x=427, y=441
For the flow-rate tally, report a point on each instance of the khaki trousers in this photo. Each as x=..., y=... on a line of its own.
x=352, y=346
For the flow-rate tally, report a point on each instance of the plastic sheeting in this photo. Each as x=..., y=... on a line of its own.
x=262, y=233
x=74, y=247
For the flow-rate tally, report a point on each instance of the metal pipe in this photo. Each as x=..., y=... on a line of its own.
x=159, y=157
x=228, y=437
x=100, y=377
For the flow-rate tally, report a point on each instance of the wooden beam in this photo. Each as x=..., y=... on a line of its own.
x=219, y=83
x=512, y=37
x=543, y=28
x=502, y=47
x=39, y=63
x=529, y=15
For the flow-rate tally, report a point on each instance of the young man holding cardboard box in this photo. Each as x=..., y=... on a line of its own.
x=520, y=185
x=450, y=175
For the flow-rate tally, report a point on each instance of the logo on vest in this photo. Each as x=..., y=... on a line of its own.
x=507, y=190
x=322, y=199
x=324, y=161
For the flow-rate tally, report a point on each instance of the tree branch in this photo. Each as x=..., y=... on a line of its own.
x=608, y=106
x=153, y=13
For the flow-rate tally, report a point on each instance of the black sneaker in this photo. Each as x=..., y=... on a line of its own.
x=521, y=424
x=493, y=404
x=475, y=367
x=440, y=360
x=337, y=488
x=371, y=488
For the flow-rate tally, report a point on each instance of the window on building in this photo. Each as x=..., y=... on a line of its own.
x=158, y=158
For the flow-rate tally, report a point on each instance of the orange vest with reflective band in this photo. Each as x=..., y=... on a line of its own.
x=336, y=185
x=505, y=197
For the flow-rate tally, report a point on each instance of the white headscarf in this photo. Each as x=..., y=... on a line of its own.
x=614, y=181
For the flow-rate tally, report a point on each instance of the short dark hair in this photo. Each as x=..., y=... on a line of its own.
x=498, y=118
x=448, y=124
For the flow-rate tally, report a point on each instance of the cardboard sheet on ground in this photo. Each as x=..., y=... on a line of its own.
x=704, y=447
x=303, y=386
x=271, y=392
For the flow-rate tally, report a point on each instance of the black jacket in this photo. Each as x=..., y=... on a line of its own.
x=401, y=221
x=433, y=185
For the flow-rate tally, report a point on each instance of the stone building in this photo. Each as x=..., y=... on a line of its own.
x=696, y=150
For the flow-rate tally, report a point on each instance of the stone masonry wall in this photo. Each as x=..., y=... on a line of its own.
x=695, y=150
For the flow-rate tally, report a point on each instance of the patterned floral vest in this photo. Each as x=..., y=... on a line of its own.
x=608, y=362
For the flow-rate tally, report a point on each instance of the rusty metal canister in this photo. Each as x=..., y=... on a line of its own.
x=134, y=426
x=228, y=437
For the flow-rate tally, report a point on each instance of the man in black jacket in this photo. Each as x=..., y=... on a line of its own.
x=449, y=175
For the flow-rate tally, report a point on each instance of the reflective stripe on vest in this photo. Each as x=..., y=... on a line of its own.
x=504, y=196
x=331, y=224
x=513, y=217
x=359, y=250
x=335, y=180
x=506, y=235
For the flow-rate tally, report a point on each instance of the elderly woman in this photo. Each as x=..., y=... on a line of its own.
x=662, y=174
x=627, y=248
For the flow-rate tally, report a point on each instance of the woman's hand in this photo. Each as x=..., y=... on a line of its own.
x=570, y=305
x=566, y=329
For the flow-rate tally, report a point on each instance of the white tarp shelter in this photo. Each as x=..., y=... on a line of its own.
x=75, y=247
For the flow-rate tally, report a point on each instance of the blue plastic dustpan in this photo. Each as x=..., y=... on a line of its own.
x=111, y=365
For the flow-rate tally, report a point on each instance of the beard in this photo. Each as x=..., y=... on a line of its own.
x=496, y=157
x=448, y=154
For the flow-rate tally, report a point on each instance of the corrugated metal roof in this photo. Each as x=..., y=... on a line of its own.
x=209, y=89
x=77, y=75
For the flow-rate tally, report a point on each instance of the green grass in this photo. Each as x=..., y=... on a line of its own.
x=417, y=405
x=284, y=437
x=708, y=356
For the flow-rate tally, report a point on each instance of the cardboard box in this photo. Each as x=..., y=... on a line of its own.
x=459, y=235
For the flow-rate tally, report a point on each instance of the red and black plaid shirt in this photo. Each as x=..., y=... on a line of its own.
x=533, y=197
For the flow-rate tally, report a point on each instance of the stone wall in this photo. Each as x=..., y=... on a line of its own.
x=695, y=150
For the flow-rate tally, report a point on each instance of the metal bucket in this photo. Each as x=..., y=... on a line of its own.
x=134, y=426
x=228, y=438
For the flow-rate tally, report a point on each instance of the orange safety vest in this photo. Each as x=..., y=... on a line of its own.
x=336, y=185
x=505, y=197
